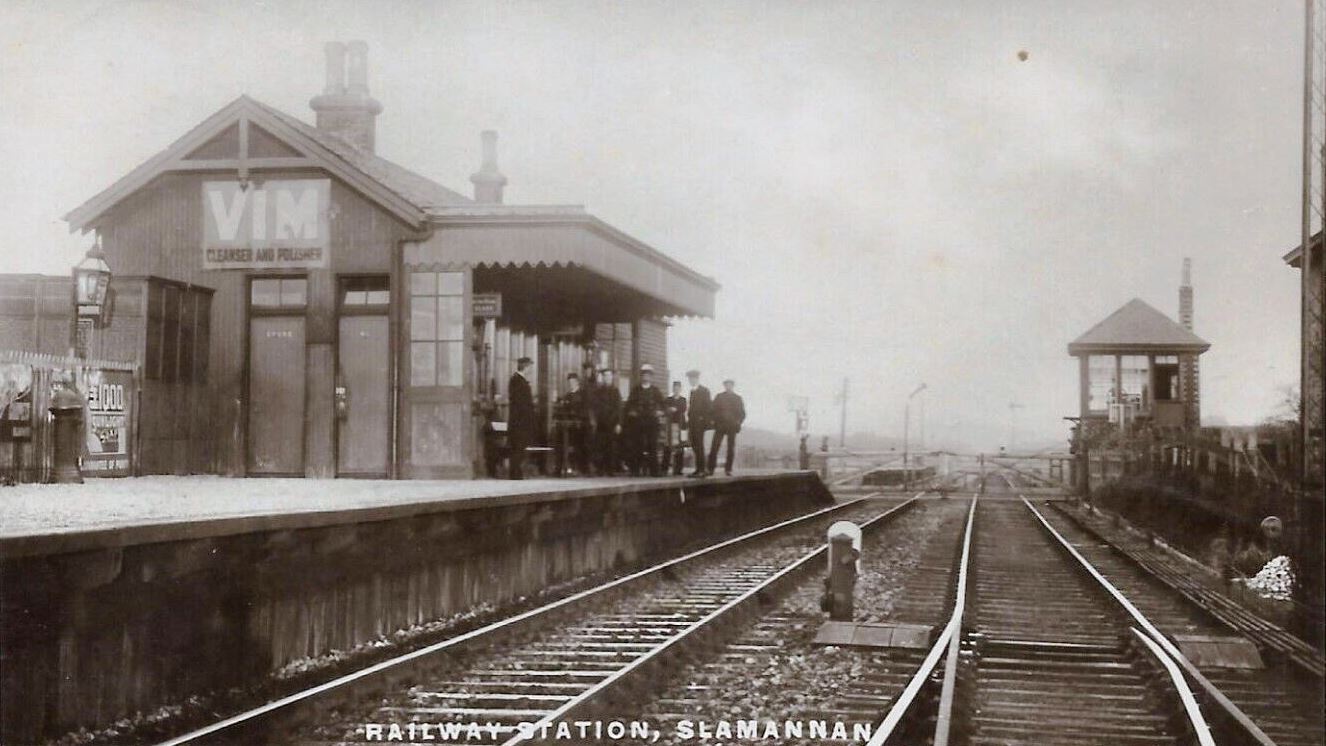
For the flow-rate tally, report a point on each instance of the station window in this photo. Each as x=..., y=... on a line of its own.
x=365, y=292
x=437, y=328
x=278, y=292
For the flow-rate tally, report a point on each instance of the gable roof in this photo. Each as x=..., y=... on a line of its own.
x=1137, y=326
x=247, y=135
x=397, y=189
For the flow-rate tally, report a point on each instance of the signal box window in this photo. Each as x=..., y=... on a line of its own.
x=1166, y=370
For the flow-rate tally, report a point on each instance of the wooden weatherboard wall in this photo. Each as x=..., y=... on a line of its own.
x=159, y=231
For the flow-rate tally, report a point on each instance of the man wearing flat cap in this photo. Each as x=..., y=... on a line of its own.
x=520, y=418
x=729, y=413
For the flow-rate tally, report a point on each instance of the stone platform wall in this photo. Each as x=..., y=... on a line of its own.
x=89, y=637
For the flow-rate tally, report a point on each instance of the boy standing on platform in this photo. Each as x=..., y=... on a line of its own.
x=674, y=454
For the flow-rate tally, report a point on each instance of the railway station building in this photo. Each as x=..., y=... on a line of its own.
x=313, y=309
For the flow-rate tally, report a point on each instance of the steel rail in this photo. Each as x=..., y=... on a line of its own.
x=1199, y=725
x=255, y=717
x=1208, y=688
x=1180, y=685
x=948, y=641
x=1225, y=611
x=643, y=665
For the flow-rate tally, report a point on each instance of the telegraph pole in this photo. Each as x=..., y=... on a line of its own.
x=1312, y=407
x=906, y=427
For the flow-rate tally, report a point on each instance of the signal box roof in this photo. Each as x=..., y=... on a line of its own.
x=1137, y=327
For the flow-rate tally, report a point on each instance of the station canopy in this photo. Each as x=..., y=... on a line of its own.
x=560, y=264
x=557, y=260
x=1137, y=327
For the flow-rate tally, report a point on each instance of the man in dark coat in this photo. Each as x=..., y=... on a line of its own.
x=729, y=413
x=605, y=411
x=699, y=413
x=644, y=408
x=675, y=453
x=520, y=418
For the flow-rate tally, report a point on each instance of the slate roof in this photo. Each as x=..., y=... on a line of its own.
x=420, y=191
x=1137, y=326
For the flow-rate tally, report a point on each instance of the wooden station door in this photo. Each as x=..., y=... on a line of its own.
x=276, y=376
x=363, y=433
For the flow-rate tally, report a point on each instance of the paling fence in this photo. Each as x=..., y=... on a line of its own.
x=1195, y=490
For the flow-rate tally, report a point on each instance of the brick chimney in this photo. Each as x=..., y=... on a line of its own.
x=488, y=181
x=1190, y=379
x=345, y=108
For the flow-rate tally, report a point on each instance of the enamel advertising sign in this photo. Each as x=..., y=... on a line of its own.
x=268, y=225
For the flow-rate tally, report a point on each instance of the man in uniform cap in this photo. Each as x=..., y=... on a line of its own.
x=520, y=418
x=644, y=407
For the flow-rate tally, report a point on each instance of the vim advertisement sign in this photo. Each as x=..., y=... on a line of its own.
x=268, y=225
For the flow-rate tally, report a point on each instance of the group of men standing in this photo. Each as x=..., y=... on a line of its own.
x=646, y=434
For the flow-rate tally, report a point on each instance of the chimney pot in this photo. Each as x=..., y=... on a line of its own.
x=357, y=67
x=345, y=108
x=335, y=68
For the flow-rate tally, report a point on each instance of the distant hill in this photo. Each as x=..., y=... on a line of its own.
x=775, y=442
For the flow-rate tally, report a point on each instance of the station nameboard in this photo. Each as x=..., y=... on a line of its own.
x=486, y=305
x=272, y=225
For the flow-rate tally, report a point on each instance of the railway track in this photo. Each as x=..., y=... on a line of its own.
x=1051, y=661
x=549, y=666
x=1040, y=650
x=1284, y=699
x=743, y=679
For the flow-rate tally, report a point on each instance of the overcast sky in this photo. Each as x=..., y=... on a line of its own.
x=884, y=190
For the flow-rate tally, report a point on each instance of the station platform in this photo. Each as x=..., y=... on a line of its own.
x=125, y=595
x=56, y=518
